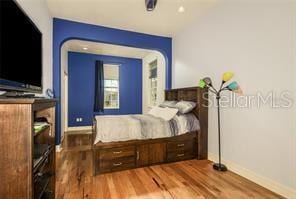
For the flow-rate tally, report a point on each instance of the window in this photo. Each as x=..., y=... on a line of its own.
x=153, y=82
x=111, y=86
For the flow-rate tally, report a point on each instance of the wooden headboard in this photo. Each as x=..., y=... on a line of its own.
x=200, y=97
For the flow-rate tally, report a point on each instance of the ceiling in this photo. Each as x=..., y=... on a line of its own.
x=106, y=49
x=165, y=20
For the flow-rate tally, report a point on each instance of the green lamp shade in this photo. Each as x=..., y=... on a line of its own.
x=233, y=86
x=201, y=84
x=227, y=76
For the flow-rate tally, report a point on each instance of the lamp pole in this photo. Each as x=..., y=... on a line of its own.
x=219, y=166
x=233, y=86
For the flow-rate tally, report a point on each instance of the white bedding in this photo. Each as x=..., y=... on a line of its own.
x=133, y=127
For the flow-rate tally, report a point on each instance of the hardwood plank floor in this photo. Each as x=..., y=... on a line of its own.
x=77, y=140
x=187, y=179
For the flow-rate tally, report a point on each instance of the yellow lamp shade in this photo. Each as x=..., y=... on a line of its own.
x=227, y=76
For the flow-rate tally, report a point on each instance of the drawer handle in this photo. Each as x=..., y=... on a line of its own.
x=180, y=155
x=117, y=152
x=138, y=155
x=180, y=145
x=117, y=164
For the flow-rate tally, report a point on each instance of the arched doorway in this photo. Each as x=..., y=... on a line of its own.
x=67, y=30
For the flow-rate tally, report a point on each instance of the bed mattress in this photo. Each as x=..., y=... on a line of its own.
x=139, y=127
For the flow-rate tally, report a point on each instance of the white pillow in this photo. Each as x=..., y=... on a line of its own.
x=164, y=113
x=185, y=106
x=168, y=104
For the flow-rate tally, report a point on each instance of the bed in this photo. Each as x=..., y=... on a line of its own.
x=116, y=128
x=131, y=141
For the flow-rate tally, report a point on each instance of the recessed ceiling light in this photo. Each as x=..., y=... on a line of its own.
x=150, y=4
x=85, y=48
x=181, y=9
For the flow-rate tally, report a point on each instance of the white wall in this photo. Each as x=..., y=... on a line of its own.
x=64, y=90
x=160, y=79
x=256, y=40
x=38, y=11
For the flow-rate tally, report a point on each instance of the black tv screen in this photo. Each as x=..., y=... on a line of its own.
x=20, y=50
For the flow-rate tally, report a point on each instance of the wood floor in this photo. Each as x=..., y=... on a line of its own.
x=187, y=179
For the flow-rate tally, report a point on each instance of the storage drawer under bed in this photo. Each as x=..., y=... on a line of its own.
x=117, y=164
x=116, y=159
x=181, y=150
x=185, y=145
x=118, y=152
x=179, y=155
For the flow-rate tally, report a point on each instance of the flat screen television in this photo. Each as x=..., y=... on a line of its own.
x=20, y=50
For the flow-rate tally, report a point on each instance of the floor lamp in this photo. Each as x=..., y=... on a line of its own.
x=233, y=86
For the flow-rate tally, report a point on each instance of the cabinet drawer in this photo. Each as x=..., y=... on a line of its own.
x=179, y=155
x=118, y=152
x=117, y=164
x=186, y=145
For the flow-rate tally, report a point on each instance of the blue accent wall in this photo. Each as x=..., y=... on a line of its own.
x=81, y=71
x=64, y=30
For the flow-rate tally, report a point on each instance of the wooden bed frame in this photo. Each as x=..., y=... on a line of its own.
x=115, y=156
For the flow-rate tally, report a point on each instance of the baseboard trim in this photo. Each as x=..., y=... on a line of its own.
x=59, y=148
x=259, y=179
x=79, y=128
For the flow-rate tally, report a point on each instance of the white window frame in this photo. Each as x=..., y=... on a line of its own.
x=118, y=87
x=153, y=103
